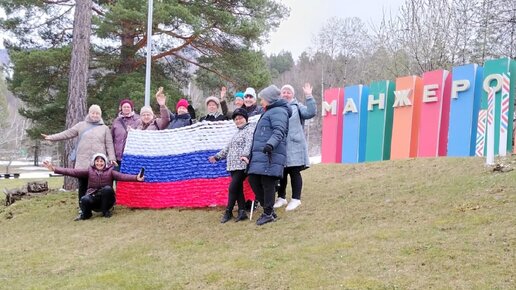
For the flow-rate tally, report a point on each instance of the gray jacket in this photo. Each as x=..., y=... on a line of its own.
x=297, y=148
x=96, y=140
x=239, y=146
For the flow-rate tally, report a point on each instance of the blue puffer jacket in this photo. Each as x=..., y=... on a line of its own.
x=178, y=121
x=272, y=128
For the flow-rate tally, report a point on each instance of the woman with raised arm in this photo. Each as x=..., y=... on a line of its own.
x=297, y=148
x=148, y=120
x=217, y=108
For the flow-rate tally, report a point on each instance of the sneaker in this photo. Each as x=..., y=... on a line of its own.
x=280, y=202
x=293, y=204
x=265, y=218
x=107, y=214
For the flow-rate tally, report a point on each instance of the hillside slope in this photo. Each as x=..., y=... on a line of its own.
x=411, y=224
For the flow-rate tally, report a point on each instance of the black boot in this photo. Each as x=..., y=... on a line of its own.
x=241, y=215
x=227, y=216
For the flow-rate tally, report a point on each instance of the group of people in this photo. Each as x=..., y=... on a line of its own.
x=266, y=152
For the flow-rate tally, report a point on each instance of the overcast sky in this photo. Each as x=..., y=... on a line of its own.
x=307, y=17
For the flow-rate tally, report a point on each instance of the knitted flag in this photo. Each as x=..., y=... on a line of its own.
x=177, y=170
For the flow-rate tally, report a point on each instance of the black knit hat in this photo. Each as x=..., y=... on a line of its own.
x=241, y=112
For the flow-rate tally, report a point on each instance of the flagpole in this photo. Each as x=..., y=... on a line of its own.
x=149, y=53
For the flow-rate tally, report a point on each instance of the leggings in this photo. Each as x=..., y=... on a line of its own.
x=236, y=190
x=296, y=181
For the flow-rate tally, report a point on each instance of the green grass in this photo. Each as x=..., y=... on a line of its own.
x=442, y=223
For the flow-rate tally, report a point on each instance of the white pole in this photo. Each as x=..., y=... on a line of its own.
x=252, y=208
x=149, y=54
x=490, y=127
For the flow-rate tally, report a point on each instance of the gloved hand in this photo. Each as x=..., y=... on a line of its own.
x=191, y=111
x=267, y=149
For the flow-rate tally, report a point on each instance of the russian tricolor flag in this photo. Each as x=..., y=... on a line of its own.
x=177, y=170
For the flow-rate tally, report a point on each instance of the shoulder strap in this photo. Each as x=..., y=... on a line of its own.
x=123, y=124
x=83, y=132
x=301, y=120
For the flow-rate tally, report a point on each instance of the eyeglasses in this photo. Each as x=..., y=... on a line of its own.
x=249, y=97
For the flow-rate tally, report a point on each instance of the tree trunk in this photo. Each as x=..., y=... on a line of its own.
x=127, y=51
x=78, y=80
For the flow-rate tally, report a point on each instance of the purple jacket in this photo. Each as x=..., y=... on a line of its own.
x=97, y=179
x=119, y=131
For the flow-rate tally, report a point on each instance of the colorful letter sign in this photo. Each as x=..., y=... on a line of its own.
x=405, y=123
x=468, y=111
x=465, y=103
x=435, y=114
x=379, y=121
x=332, y=106
x=354, y=126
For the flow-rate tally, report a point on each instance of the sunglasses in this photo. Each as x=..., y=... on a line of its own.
x=249, y=97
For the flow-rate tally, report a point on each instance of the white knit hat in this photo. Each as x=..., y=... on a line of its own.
x=95, y=108
x=146, y=109
x=212, y=99
x=251, y=92
x=98, y=155
x=288, y=87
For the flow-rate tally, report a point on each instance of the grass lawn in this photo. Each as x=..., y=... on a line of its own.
x=443, y=223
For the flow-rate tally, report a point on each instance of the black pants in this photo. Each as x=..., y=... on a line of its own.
x=264, y=188
x=296, y=182
x=119, y=167
x=236, y=190
x=102, y=200
x=83, y=187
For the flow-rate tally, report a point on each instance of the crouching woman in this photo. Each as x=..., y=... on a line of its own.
x=100, y=195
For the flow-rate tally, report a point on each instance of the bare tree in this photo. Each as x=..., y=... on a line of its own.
x=13, y=132
x=77, y=85
x=343, y=38
x=496, y=33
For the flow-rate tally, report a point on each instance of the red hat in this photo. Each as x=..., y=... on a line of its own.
x=182, y=103
x=127, y=101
